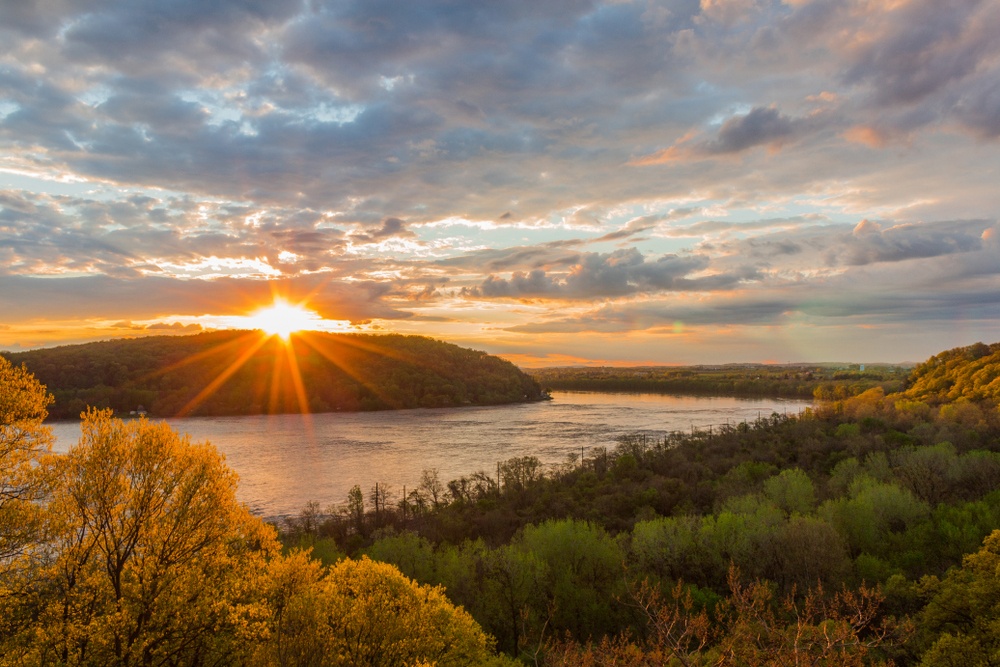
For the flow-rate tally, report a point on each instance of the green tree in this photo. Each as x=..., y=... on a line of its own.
x=962, y=620
x=585, y=573
x=792, y=491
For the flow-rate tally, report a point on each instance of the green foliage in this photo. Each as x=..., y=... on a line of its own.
x=870, y=488
x=961, y=622
x=876, y=487
x=792, y=491
x=240, y=372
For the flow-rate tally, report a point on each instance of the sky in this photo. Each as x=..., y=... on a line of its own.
x=559, y=182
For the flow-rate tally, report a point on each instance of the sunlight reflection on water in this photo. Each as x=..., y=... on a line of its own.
x=284, y=461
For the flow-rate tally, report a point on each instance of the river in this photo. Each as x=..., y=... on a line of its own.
x=285, y=461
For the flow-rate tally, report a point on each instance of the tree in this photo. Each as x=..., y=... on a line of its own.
x=962, y=619
x=792, y=491
x=750, y=628
x=364, y=613
x=584, y=567
x=152, y=561
x=23, y=441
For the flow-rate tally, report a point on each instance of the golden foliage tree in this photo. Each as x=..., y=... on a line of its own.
x=152, y=561
x=23, y=440
x=365, y=613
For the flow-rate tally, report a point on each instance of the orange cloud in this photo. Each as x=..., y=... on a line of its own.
x=679, y=151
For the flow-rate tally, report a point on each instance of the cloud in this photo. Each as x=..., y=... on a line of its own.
x=391, y=228
x=173, y=155
x=175, y=327
x=761, y=126
x=829, y=306
x=514, y=258
x=615, y=274
x=103, y=297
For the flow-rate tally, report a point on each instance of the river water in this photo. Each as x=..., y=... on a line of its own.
x=285, y=461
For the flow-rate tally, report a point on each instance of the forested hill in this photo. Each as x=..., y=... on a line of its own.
x=244, y=372
x=820, y=381
x=971, y=373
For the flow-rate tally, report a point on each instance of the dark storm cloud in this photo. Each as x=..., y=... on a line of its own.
x=979, y=109
x=153, y=37
x=440, y=107
x=761, y=126
x=347, y=95
x=926, y=62
x=869, y=243
x=514, y=258
x=926, y=46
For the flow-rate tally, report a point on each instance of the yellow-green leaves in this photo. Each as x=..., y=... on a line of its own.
x=152, y=557
x=361, y=612
x=23, y=440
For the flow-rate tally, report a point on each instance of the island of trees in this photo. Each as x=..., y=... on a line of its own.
x=246, y=372
x=863, y=532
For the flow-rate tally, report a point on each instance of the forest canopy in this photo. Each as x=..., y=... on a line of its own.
x=820, y=381
x=247, y=372
x=865, y=531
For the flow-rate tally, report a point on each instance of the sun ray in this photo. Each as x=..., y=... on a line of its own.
x=274, y=395
x=204, y=354
x=297, y=383
x=339, y=363
x=223, y=376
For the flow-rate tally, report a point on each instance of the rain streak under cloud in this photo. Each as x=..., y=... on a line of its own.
x=619, y=182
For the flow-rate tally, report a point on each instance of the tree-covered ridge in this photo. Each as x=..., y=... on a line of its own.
x=241, y=372
x=821, y=381
x=969, y=373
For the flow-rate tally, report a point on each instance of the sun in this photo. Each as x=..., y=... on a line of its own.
x=283, y=319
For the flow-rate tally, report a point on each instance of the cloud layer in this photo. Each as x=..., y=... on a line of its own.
x=507, y=173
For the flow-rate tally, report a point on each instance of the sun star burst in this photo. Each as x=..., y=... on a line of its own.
x=283, y=319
